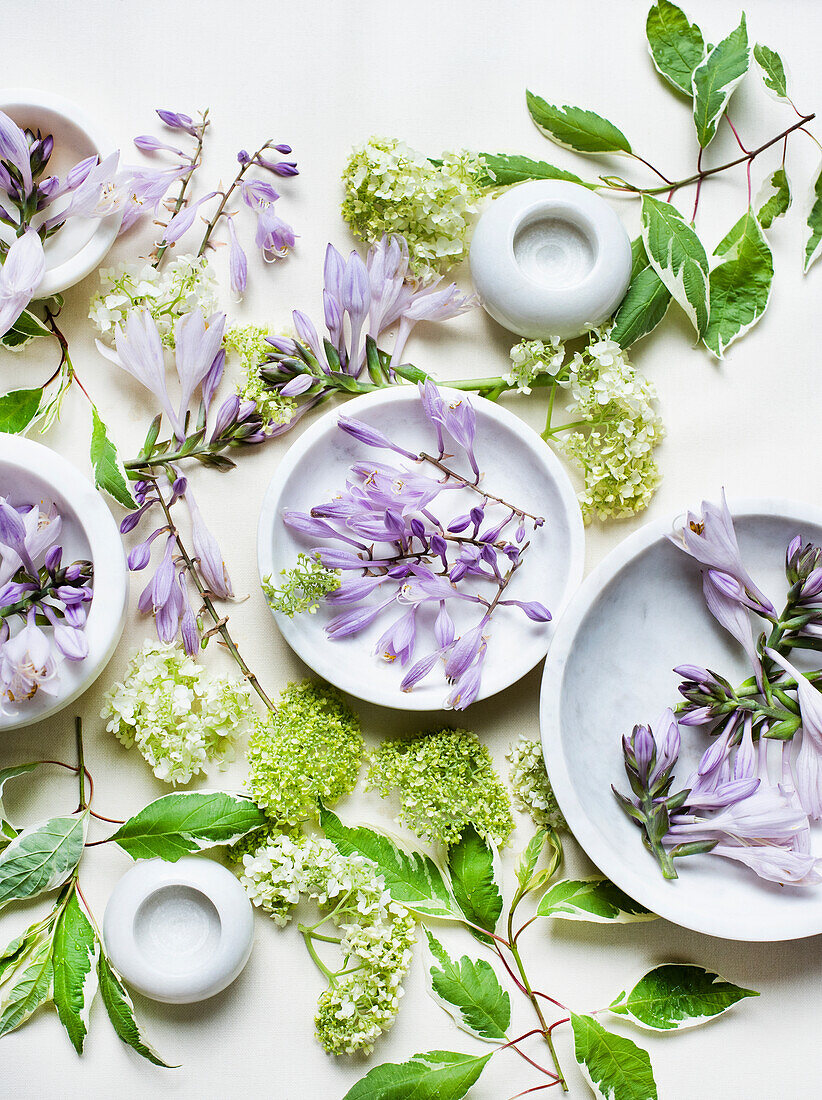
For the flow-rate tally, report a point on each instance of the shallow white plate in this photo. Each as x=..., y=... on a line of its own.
x=29, y=473
x=517, y=466
x=637, y=615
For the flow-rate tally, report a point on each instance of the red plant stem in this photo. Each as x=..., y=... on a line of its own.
x=736, y=135
x=648, y=164
x=553, y=1000
x=536, y=1065
x=536, y=1088
x=556, y=1023
x=698, y=187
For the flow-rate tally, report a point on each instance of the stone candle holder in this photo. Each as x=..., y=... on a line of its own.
x=178, y=932
x=550, y=258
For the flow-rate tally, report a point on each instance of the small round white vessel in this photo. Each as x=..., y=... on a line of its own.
x=550, y=258
x=82, y=244
x=178, y=932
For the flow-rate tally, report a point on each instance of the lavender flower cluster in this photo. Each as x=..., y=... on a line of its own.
x=423, y=561
x=759, y=783
x=46, y=601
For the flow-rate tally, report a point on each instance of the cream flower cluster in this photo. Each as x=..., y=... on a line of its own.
x=377, y=941
x=531, y=786
x=531, y=358
x=177, y=714
x=184, y=284
x=391, y=188
x=249, y=344
x=615, y=444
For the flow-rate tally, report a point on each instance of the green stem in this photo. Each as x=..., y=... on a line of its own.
x=181, y=197
x=81, y=764
x=309, y=937
x=227, y=195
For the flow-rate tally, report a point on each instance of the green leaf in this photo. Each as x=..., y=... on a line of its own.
x=772, y=70
x=814, y=223
x=740, y=287
x=437, y=1075
x=14, y=951
x=593, y=899
x=574, y=128
x=41, y=857
x=645, y=304
x=715, y=80
x=18, y=408
x=109, y=473
x=11, y=773
x=677, y=995
x=75, y=970
x=121, y=1012
x=470, y=992
x=32, y=990
x=774, y=198
x=678, y=257
x=25, y=328
x=472, y=867
x=412, y=878
x=530, y=858
x=615, y=1067
x=676, y=45
x=189, y=821
x=502, y=170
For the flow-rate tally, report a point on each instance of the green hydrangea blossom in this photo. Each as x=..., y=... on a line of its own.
x=248, y=343
x=178, y=715
x=531, y=358
x=446, y=781
x=391, y=188
x=311, y=749
x=302, y=587
x=532, y=788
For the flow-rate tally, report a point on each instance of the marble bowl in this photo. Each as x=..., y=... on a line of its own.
x=82, y=244
x=550, y=258
x=179, y=932
x=30, y=472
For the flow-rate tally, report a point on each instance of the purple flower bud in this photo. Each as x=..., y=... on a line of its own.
x=178, y=121
x=372, y=437
x=463, y=652
x=284, y=149
x=72, y=643
x=151, y=144
x=535, y=611
x=53, y=558
x=73, y=572
x=695, y=673
x=794, y=546
x=189, y=632
x=418, y=672
x=226, y=417
x=458, y=571
x=700, y=716
x=243, y=157
x=297, y=385
x=644, y=748
x=418, y=529
x=456, y=526
x=139, y=556
x=444, y=631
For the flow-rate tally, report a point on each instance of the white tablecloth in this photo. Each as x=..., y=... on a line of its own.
x=322, y=76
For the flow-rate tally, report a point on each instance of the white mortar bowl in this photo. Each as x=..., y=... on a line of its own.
x=29, y=473
x=82, y=244
x=550, y=258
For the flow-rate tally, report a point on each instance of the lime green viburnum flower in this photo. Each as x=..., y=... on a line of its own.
x=178, y=715
x=311, y=749
x=446, y=781
x=392, y=189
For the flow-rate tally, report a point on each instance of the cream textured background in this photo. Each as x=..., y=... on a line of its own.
x=323, y=75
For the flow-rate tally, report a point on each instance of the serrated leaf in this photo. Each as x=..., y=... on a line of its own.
x=773, y=71
x=189, y=821
x=814, y=222
x=530, y=858
x=678, y=257
x=678, y=995
x=435, y=1075
x=645, y=304
x=774, y=198
x=50, y=411
x=109, y=472
x=615, y=1067
x=472, y=865
x=75, y=970
x=31, y=990
x=412, y=878
x=575, y=128
x=41, y=857
x=740, y=287
x=18, y=408
x=121, y=1012
x=676, y=45
x=716, y=78
x=470, y=992
x=503, y=170
x=27, y=327
x=13, y=952
x=593, y=899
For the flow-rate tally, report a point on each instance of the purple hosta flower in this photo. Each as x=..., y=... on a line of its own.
x=397, y=643
x=458, y=419
x=70, y=640
x=464, y=651
x=733, y=616
x=176, y=120
x=145, y=189
x=808, y=760
x=711, y=539
x=418, y=671
x=26, y=534
x=466, y=688
x=279, y=167
x=536, y=612
x=372, y=437
x=197, y=342
x=20, y=275
x=786, y=866
x=209, y=557
x=27, y=664
x=431, y=303
x=183, y=221
x=355, y=590
x=14, y=148
x=101, y=192
x=237, y=262
x=273, y=237
x=355, y=620
x=139, y=351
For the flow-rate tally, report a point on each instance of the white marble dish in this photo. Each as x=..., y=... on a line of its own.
x=179, y=932
x=30, y=472
x=82, y=244
x=517, y=465
x=637, y=615
x=550, y=258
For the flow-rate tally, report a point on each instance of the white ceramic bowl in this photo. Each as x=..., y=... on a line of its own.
x=516, y=463
x=179, y=932
x=82, y=244
x=635, y=617
x=30, y=472
x=550, y=258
